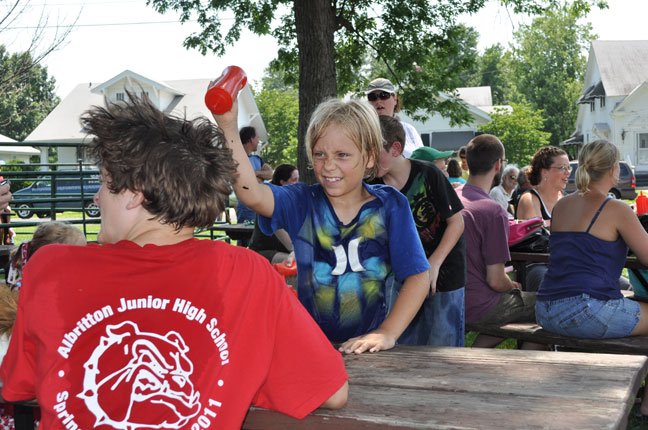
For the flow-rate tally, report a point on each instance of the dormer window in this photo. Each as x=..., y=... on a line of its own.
x=602, y=102
x=119, y=97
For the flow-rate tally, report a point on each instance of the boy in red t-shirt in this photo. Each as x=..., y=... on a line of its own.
x=154, y=328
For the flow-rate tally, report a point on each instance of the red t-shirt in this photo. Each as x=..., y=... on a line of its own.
x=180, y=336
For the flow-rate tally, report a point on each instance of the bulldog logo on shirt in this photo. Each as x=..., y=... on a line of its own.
x=137, y=379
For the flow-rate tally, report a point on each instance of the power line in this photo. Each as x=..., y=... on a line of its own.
x=85, y=3
x=113, y=24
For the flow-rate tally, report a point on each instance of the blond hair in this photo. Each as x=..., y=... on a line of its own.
x=594, y=162
x=45, y=234
x=360, y=123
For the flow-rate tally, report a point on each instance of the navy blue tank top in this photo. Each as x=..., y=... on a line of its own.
x=581, y=263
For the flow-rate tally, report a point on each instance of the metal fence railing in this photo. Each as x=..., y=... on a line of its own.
x=58, y=191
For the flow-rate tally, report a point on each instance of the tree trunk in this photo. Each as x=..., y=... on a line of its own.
x=315, y=25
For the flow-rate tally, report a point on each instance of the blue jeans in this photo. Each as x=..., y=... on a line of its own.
x=243, y=214
x=586, y=317
x=439, y=322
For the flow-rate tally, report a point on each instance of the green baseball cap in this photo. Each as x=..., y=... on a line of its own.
x=429, y=154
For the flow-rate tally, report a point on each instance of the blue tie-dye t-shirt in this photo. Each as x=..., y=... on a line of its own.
x=342, y=269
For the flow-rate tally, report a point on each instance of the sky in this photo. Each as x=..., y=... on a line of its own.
x=112, y=36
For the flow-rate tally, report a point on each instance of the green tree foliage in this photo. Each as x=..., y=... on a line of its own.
x=520, y=130
x=492, y=73
x=279, y=109
x=323, y=44
x=18, y=166
x=27, y=98
x=547, y=65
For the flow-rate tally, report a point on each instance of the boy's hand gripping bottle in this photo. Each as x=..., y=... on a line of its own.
x=224, y=90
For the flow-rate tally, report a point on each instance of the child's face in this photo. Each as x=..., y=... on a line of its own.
x=387, y=157
x=338, y=163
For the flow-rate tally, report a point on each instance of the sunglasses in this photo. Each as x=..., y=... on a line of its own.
x=383, y=95
x=513, y=177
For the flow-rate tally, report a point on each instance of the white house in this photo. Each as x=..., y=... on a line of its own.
x=614, y=104
x=10, y=152
x=184, y=98
x=437, y=132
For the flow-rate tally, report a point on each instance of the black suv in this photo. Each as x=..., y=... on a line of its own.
x=625, y=189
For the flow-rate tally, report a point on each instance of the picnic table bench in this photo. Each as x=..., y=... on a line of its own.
x=532, y=332
x=416, y=387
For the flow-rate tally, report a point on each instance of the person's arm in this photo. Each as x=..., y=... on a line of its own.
x=339, y=399
x=452, y=233
x=5, y=197
x=265, y=173
x=284, y=238
x=498, y=280
x=528, y=207
x=407, y=305
x=256, y=196
x=631, y=230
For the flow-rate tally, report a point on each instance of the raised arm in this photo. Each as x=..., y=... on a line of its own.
x=256, y=196
x=405, y=308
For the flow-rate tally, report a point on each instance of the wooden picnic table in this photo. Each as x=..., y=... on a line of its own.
x=414, y=387
x=543, y=257
x=520, y=260
x=235, y=231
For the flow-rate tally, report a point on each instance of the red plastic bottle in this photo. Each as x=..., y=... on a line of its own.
x=285, y=270
x=642, y=204
x=221, y=94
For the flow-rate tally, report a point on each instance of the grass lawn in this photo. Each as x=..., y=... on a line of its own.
x=26, y=233
x=91, y=230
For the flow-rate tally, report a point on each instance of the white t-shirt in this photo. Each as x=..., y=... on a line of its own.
x=412, y=139
x=500, y=195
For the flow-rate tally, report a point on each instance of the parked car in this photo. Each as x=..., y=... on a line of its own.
x=66, y=187
x=625, y=189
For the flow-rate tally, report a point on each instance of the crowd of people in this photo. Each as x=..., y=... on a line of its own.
x=396, y=242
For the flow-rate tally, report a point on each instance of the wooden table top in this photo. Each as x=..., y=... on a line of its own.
x=464, y=388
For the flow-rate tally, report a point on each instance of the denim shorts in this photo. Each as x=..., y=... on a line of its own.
x=589, y=318
x=439, y=321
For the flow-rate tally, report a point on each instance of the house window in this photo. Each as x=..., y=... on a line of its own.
x=592, y=108
x=602, y=102
x=143, y=93
x=119, y=97
x=642, y=148
x=425, y=137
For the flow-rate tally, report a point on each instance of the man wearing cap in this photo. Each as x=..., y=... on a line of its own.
x=381, y=94
x=436, y=157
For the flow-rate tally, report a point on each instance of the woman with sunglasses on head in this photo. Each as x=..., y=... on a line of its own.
x=381, y=94
x=548, y=175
